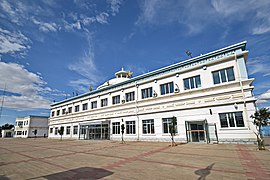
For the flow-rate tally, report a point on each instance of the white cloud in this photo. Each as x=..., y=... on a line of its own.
x=102, y=18
x=25, y=90
x=264, y=98
x=11, y=42
x=115, y=6
x=260, y=65
x=45, y=26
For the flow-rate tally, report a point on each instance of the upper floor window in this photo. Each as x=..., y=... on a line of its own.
x=63, y=111
x=104, y=102
x=166, y=88
x=233, y=119
x=223, y=75
x=130, y=96
x=85, y=106
x=93, y=104
x=77, y=108
x=146, y=93
x=116, y=99
x=52, y=113
x=70, y=110
x=192, y=82
x=58, y=112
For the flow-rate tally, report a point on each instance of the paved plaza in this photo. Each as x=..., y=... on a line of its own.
x=74, y=159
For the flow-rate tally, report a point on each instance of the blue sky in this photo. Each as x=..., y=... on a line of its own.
x=51, y=48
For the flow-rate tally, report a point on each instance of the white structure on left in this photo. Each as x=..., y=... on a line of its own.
x=25, y=126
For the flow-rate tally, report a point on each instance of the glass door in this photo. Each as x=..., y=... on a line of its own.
x=196, y=131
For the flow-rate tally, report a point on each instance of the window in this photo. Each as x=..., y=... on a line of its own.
x=68, y=130
x=77, y=108
x=130, y=96
x=233, y=119
x=75, y=130
x=20, y=123
x=146, y=93
x=223, y=75
x=104, y=102
x=52, y=113
x=93, y=104
x=70, y=110
x=58, y=112
x=148, y=126
x=166, y=122
x=19, y=132
x=192, y=82
x=85, y=106
x=63, y=111
x=166, y=88
x=116, y=99
x=56, y=131
x=116, y=128
x=51, y=130
x=130, y=127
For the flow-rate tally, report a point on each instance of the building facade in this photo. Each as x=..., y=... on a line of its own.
x=210, y=96
x=26, y=126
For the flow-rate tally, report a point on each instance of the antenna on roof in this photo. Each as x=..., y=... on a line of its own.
x=91, y=88
x=189, y=53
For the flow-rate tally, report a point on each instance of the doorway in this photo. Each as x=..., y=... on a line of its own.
x=196, y=131
x=95, y=131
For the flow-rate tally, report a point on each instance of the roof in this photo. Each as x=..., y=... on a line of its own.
x=241, y=45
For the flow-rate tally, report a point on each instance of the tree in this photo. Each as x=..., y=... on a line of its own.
x=7, y=126
x=61, y=131
x=173, y=129
x=261, y=118
x=122, y=132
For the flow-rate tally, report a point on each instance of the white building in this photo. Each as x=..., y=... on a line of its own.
x=25, y=126
x=210, y=95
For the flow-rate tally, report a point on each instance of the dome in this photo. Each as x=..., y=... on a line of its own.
x=120, y=76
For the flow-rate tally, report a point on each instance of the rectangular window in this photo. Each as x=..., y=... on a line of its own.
x=192, y=82
x=130, y=96
x=148, y=126
x=130, y=127
x=58, y=112
x=93, y=104
x=116, y=99
x=70, y=110
x=166, y=88
x=223, y=75
x=77, y=108
x=85, y=106
x=233, y=119
x=52, y=113
x=68, y=130
x=51, y=130
x=166, y=122
x=63, y=111
x=116, y=127
x=75, y=129
x=104, y=102
x=56, y=131
x=147, y=93
x=19, y=132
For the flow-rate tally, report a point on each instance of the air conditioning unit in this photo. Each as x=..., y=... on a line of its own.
x=176, y=90
x=154, y=94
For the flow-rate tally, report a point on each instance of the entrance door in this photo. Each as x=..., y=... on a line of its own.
x=95, y=131
x=196, y=131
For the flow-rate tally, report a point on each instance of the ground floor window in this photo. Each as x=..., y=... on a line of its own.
x=148, y=126
x=51, y=130
x=130, y=127
x=19, y=132
x=68, y=130
x=166, y=122
x=75, y=130
x=232, y=119
x=56, y=131
x=116, y=127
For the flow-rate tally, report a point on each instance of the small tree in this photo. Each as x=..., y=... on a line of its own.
x=61, y=131
x=35, y=133
x=122, y=132
x=173, y=129
x=261, y=118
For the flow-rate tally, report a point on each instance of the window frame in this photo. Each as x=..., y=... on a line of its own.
x=167, y=124
x=75, y=130
x=219, y=75
x=85, y=106
x=130, y=96
x=130, y=127
x=93, y=104
x=147, y=92
x=228, y=120
x=68, y=130
x=104, y=102
x=77, y=108
x=192, y=81
x=167, y=88
x=116, y=99
x=115, y=127
x=148, y=126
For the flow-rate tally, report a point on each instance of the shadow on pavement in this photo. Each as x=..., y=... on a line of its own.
x=204, y=172
x=80, y=173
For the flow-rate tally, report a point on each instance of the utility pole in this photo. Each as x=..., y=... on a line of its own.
x=2, y=104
